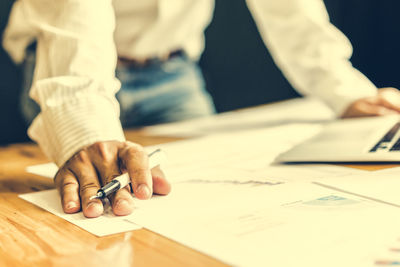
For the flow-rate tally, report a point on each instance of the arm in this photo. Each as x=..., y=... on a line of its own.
x=312, y=53
x=74, y=80
x=75, y=86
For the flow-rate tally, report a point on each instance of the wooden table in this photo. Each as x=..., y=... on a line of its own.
x=31, y=236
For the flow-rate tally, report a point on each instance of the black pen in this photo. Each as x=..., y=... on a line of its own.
x=155, y=158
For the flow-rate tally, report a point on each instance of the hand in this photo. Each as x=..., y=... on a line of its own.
x=96, y=165
x=386, y=102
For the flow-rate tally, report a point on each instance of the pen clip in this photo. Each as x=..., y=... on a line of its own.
x=154, y=152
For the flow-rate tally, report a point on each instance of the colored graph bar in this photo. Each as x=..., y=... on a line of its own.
x=387, y=263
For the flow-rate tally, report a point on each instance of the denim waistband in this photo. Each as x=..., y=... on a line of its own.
x=143, y=63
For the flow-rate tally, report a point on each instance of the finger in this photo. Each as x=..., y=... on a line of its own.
x=122, y=202
x=366, y=109
x=383, y=111
x=85, y=172
x=376, y=110
x=161, y=186
x=135, y=161
x=89, y=185
x=390, y=98
x=360, y=109
x=105, y=159
x=68, y=187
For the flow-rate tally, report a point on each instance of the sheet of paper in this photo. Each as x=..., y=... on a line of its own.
x=245, y=156
x=48, y=170
x=250, y=150
x=389, y=254
x=286, y=112
x=230, y=201
x=225, y=159
x=381, y=186
x=297, y=224
x=107, y=224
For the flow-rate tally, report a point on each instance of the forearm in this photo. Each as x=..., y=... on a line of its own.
x=74, y=81
x=311, y=52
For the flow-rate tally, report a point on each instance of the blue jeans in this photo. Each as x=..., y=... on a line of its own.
x=160, y=92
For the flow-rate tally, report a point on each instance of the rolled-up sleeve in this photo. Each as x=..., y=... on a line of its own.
x=310, y=51
x=74, y=80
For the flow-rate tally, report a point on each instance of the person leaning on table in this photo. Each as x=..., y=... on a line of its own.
x=153, y=46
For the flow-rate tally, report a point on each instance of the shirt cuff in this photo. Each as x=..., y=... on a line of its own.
x=63, y=128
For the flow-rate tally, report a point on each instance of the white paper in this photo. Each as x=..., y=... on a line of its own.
x=48, y=170
x=246, y=156
x=107, y=224
x=222, y=160
x=295, y=224
x=380, y=186
x=296, y=110
x=229, y=202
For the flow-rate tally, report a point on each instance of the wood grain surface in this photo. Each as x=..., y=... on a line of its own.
x=31, y=236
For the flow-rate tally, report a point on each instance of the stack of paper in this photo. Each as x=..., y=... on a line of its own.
x=230, y=201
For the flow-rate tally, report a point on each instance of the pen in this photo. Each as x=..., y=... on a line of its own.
x=155, y=158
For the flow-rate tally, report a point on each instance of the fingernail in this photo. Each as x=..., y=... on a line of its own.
x=95, y=207
x=71, y=205
x=144, y=191
x=123, y=204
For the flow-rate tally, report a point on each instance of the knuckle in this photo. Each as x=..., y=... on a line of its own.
x=134, y=158
x=101, y=148
x=106, y=152
x=88, y=186
x=128, y=151
x=61, y=176
x=135, y=151
x=82, y=157
x=69, y=183
x=68, y=189
x=134, y=146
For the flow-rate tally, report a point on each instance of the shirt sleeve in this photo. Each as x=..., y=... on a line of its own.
x=74, y=80
x=310, y=51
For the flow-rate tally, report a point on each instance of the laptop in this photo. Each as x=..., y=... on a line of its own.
x=375, y=139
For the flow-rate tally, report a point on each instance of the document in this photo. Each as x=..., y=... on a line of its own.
x=225, y=159
x=246, y=156
x=230, y=201
x=380, y=186
x=257, y=224
x=48, y=170
x=296, y=224
x=308, y=110
x=107, y=224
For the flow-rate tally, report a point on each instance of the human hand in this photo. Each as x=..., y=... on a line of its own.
x=96, y=165
x=386, y=102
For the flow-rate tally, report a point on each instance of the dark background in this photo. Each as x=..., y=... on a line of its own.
x=238, y=69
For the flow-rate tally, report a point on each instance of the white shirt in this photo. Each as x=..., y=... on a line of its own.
x=74, y=81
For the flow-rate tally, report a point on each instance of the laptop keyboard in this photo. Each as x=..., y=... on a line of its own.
x=396, y=146
x=386, y=144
